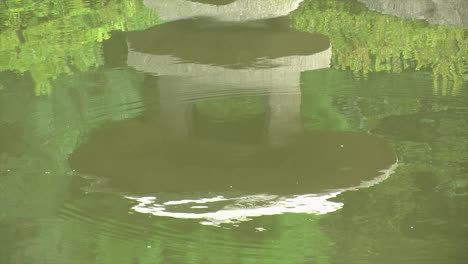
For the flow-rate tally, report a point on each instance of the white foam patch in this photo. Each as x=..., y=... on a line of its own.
x=199, y=201
x=243, y=208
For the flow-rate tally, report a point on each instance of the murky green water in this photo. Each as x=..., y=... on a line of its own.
x=233, y=131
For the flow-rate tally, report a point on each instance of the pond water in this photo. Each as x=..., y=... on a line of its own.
x=233, y=131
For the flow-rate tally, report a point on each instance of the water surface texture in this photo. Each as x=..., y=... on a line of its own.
x=233, y=131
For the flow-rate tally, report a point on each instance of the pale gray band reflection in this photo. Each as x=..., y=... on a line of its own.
x=238, y=10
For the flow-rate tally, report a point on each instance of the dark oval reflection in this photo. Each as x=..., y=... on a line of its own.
x=135, y=158
x=234, y=45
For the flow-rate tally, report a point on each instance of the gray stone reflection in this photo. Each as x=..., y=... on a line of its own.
x=228, y=10
x=444, y=12
x=199, y=59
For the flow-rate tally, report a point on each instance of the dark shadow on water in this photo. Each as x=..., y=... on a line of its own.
x=134, y=157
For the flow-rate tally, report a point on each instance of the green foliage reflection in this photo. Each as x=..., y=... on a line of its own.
x=365, y=41
x=317, y=108
x=54, y=37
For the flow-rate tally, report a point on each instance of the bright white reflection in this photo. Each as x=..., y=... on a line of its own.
x=230, y=210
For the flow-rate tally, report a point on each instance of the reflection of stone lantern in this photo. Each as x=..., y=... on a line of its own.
x=200, y=59
x=227, y=10
x=223, y=181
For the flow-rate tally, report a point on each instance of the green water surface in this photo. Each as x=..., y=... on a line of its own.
x=232, y=131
